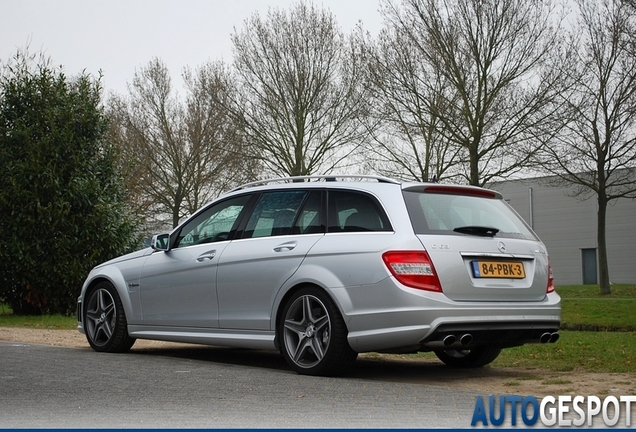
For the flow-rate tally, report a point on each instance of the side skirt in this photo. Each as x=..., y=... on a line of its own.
x=206, y=336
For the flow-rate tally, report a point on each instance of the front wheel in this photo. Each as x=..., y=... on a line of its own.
x=313, y=335
x=104, y=320
x=471, y=358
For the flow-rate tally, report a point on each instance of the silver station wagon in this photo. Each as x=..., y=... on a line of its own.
x=322, y=268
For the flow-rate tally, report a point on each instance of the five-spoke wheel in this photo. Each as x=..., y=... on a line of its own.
x=312, y=334
x=104, y=320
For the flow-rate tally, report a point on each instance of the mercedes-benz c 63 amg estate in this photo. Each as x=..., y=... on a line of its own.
x=323, y=268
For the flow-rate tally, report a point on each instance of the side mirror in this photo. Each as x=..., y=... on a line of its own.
x=160, y=242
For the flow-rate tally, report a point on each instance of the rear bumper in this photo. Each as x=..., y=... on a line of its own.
x=501, y=332
x=419, y=321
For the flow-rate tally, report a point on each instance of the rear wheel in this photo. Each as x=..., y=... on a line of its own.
x=472, y=358
x=313, y=335
x=104, y=320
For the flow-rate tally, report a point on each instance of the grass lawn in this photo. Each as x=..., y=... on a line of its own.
x=608, y=345
x=49, y=322
x=581, y=350
x=583, y=308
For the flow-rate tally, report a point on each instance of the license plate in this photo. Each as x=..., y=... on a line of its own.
x=499, y=269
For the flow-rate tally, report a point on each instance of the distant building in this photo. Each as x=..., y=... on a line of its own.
x=567, y=226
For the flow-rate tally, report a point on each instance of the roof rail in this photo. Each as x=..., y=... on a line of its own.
x=318, y=178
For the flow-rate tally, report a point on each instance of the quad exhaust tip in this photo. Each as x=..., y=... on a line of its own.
x=449, y=340
x=549, y=337
x=467, y=339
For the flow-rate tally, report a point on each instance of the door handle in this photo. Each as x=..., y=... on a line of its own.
x=206, y=256
x=285, y=247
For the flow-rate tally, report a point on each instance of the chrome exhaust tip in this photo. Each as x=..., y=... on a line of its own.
x=466, y=339
x=545, y=337
x=554, y=337
x=449, y=340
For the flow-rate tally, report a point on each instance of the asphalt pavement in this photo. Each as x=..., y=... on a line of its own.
x=210, y=387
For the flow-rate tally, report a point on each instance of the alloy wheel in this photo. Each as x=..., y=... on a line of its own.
x=307, y=331
x=101, y=317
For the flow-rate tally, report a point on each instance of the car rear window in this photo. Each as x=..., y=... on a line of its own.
x=442, y=213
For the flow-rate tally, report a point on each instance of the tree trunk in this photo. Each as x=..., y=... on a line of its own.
x=175, y=217
x=474, y=166
x=603, y=266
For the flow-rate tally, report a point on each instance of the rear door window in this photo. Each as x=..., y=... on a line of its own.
x=274, y=214
x=310, y=219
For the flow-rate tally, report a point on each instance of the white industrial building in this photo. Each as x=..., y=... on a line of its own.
x=567, y=226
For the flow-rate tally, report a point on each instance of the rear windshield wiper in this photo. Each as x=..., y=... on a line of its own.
x=477, y=230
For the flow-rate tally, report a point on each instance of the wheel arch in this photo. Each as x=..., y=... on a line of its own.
x=285, y=295
x=116, y=279
x=316, y=341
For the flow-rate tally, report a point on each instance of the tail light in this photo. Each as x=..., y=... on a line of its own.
x=413, y=269
x=550, y=279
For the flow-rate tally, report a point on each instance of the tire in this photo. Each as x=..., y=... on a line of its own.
x=473, y=358
x=313, y=335
x=105, y=321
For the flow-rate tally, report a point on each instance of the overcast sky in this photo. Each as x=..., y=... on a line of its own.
x=119, y=36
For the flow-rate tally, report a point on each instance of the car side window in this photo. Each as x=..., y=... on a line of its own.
x=214, y=224
x=356, y=212
x=274, y=214
x=309, y=220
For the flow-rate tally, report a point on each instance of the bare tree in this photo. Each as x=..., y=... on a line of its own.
x=596, y=148
x=218, y=146
x=179, y=154
x=491, y=57
x=405, y=141
x=301, y=100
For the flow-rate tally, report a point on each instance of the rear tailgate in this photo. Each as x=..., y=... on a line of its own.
x=480, y=248
x=488, y=269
